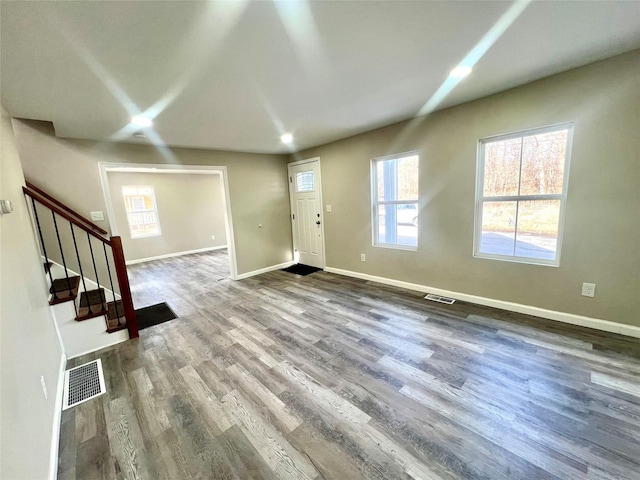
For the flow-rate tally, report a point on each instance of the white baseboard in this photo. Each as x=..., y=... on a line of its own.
x=57, y=419
x=176, y=254
x=596, y=323
x=265, y=270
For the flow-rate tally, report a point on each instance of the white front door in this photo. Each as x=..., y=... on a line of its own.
x=305, y=193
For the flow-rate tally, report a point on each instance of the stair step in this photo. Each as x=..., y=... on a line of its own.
x=65, y=290
x=93, y=303
x=113, y=317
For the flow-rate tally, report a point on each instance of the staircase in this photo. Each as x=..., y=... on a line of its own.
x=85, y=270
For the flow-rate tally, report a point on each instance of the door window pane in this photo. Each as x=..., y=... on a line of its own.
x=304, y=181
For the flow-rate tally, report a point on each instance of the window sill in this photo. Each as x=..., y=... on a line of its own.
x=524, y=260
x=396, y=247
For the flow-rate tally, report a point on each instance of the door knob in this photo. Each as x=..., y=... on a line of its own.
x=318, y=222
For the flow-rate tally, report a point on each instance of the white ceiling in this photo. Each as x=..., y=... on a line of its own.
x=236, y=75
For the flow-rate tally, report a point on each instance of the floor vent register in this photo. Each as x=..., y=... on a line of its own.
x=438, y=298
x=83, y=383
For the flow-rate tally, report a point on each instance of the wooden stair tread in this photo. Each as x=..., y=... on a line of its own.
x=93, y=303
x=112, y=317
x=85, y=314
x=64, y=290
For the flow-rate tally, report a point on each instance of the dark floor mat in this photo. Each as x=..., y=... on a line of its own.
x=300, y=269
x=154, y=315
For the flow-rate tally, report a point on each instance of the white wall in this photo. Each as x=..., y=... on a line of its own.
x=29, y=346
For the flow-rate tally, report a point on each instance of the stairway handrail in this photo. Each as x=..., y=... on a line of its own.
x=57, y=202
x=115, y=243
x=63, y=213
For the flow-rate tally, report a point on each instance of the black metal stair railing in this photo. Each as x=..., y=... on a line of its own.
x=67, y=288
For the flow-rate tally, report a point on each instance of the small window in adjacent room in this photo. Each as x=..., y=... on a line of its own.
x=395, y=200
x=142, y=213
x=521, y=195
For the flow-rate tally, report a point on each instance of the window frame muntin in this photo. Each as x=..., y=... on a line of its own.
x=375, y=202
x=155, y=209
x=480, y=199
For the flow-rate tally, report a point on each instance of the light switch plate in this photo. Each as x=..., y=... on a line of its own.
x=97, y=216
x=328, y=208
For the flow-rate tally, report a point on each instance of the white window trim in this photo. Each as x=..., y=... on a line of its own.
x=480, y=199
x=375, y=202
x=155, y=210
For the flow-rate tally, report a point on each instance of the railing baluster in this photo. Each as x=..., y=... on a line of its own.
x=115, y=300
x=64, y=262
x=84, y=284
x=44, y=248
x=93, y=259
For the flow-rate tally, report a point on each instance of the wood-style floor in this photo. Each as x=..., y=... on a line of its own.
x=323, y=376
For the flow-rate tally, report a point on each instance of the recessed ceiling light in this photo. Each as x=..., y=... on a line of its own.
x=460, y=71
x=140, y=135
x=141, y=121
x=286, y=138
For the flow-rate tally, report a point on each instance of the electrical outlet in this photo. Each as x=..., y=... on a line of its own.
x=363, y=258
x=44, y=387
x=588, y=289
x=213, y=237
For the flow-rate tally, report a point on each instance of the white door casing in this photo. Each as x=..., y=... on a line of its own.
x=307, y=223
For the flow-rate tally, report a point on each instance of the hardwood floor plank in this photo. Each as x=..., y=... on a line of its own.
x=323, y=397
x=244, y=460
x=251, y=384
x=625, y=384
x=125, y=439
x=283, y=459
x=208, y=406
x=238, y=337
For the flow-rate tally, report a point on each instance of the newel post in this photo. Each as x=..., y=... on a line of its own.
x=123, y=282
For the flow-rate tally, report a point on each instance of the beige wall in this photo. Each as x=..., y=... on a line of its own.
x=602, y=228
x=29, y=346
x=68, y=169
x=190, y=209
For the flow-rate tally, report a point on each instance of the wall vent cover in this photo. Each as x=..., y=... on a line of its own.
x=83, y=383
x=438, y=298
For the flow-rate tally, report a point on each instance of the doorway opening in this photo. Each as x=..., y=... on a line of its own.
x=170, y=214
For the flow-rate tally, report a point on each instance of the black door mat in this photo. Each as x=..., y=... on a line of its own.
x=300, y=269
x=154, y=315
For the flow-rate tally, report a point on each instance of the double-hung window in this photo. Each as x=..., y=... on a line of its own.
x=521, y=195
x=142, y=213
x=395, y=200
